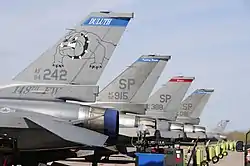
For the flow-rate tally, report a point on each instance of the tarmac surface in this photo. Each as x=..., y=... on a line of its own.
x=233, y=159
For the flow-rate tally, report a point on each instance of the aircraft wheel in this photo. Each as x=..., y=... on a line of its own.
x=225, y=153
x=204, y=163
x=220, y=156
x=215, y=159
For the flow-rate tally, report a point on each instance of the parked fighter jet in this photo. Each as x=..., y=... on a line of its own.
x=164, y=105
x=33, y=108
x=137, y=99
x=121, y=93
x=217, y=132
x=190, y=112
x=194, y=103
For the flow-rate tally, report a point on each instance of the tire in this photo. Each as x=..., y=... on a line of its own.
x=215, y=159
x=204, y=163
x=225, y=153
x=220, y=156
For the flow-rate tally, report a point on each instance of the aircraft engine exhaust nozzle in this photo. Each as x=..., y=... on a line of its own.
x=103, y=120
x=176, y=126
x=111, y=123
x=188, y=128
x=149, y=122
x=132, y=121
x=199, y=129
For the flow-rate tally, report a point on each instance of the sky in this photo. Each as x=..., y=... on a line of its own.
x=207, y=39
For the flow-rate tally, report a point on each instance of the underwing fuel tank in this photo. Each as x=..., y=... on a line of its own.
x=98, y=119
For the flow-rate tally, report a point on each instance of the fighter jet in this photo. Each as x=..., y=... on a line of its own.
x=33, y=108
x=217, y=133
x=171, y=94
x=123, y=93
x=185, y=121
x=137, y=87
x=190, y=112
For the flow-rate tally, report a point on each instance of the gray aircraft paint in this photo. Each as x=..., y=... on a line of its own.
x=192, y=107
x=190, y=111
x=148, y=85
x=82, y=54
x=221, y=126
x=53, y=114
x=217, y=132
x=164, y=103
x=22, y=119
x=125, y=86
x=194, y=104
x=78, y=58
x=36, y=91
x=124, y=99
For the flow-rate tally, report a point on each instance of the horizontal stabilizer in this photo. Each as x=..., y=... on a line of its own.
x=70, y=132
x=59, y=127
x=50, y=92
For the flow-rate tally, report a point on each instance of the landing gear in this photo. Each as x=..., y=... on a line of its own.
x=215, y=159
x=204, y=163
x=225, y=153
x=220, y=156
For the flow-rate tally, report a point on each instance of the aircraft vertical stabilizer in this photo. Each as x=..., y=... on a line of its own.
x=166, y=100
x=126, y=85
x=194, y=104
x=147, y=87
x=81, y=55
x=221, y=126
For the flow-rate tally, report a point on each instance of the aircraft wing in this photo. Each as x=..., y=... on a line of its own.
x=61, y=128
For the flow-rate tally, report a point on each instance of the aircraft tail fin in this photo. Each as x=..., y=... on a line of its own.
x=82, y=54
x=126, y=85
x=221, y=126
x=194, y=104
x=167, y=98
x=147, y=87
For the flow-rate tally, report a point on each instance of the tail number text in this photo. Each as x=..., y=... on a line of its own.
x=55, y=74
x=118, y=95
